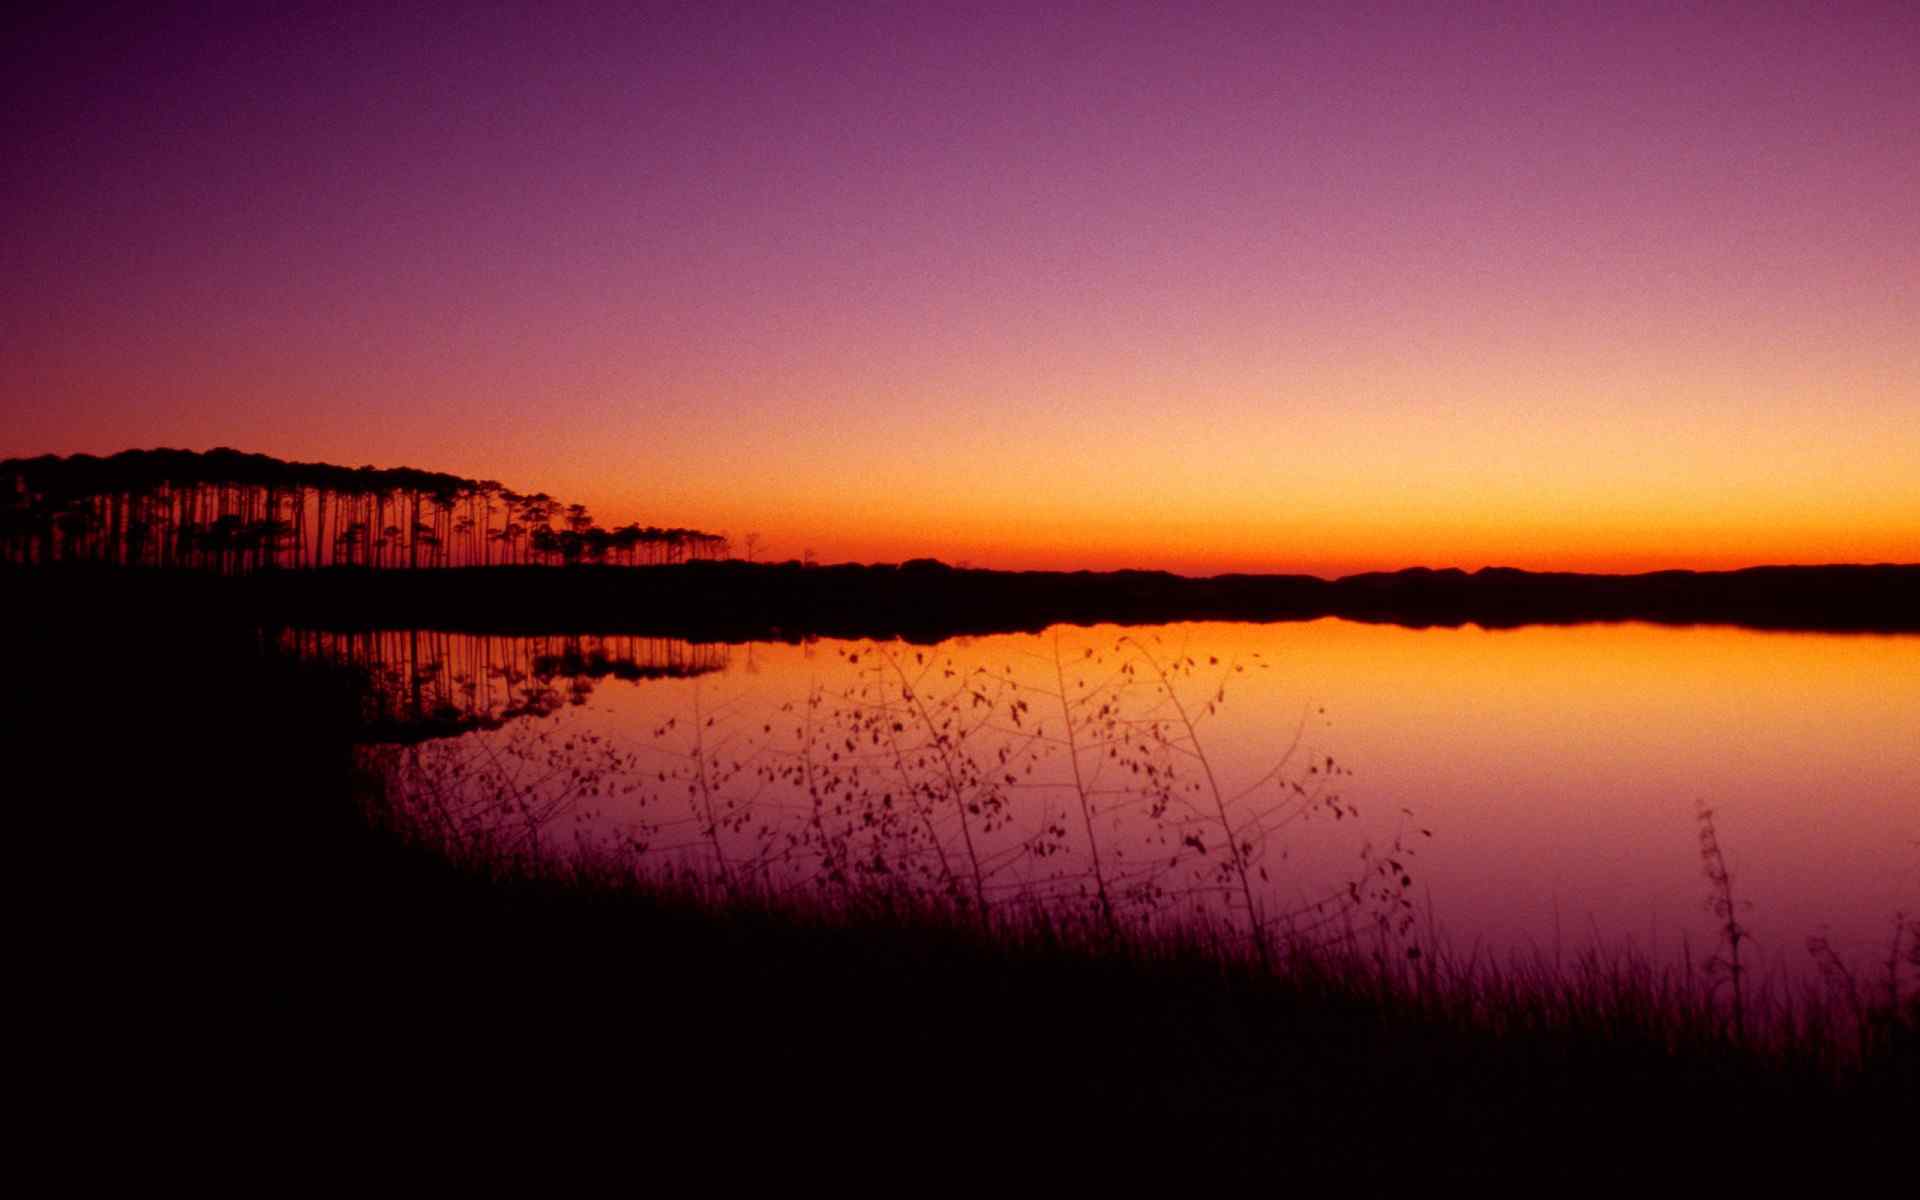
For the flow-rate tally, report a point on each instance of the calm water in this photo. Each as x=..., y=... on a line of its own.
x=1543, y=783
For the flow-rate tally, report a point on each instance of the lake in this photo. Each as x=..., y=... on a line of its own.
x=1533, y=791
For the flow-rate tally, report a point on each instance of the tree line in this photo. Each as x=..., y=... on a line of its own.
x=233, y=512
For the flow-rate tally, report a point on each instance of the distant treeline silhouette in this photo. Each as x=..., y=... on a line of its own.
x=927, y=601
x=233, y=513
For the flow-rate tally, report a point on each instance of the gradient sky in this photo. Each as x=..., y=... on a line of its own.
x=1267, y=286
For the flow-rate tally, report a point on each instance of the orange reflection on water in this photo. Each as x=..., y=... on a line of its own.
x=1559, y=768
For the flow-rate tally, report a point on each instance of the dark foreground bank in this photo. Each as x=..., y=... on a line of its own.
x=266, y=958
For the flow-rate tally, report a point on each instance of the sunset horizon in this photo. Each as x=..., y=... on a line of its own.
x=1265, y=288
x=1103, y=545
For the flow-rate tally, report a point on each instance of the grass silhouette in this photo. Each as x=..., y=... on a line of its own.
x=1726, y=911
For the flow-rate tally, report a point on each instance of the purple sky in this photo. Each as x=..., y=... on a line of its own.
x=1268, y=286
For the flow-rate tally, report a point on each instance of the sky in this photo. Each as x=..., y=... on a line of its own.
x=1235, y=287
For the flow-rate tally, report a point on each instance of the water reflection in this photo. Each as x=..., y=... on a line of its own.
x=1560, y=768
x=427, y=684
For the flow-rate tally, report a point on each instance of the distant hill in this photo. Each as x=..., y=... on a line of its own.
x=928, y=601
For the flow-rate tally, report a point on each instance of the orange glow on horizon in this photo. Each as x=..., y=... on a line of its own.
x=1206, y=535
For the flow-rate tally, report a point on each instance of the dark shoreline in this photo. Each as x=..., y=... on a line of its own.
x=926, y=601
